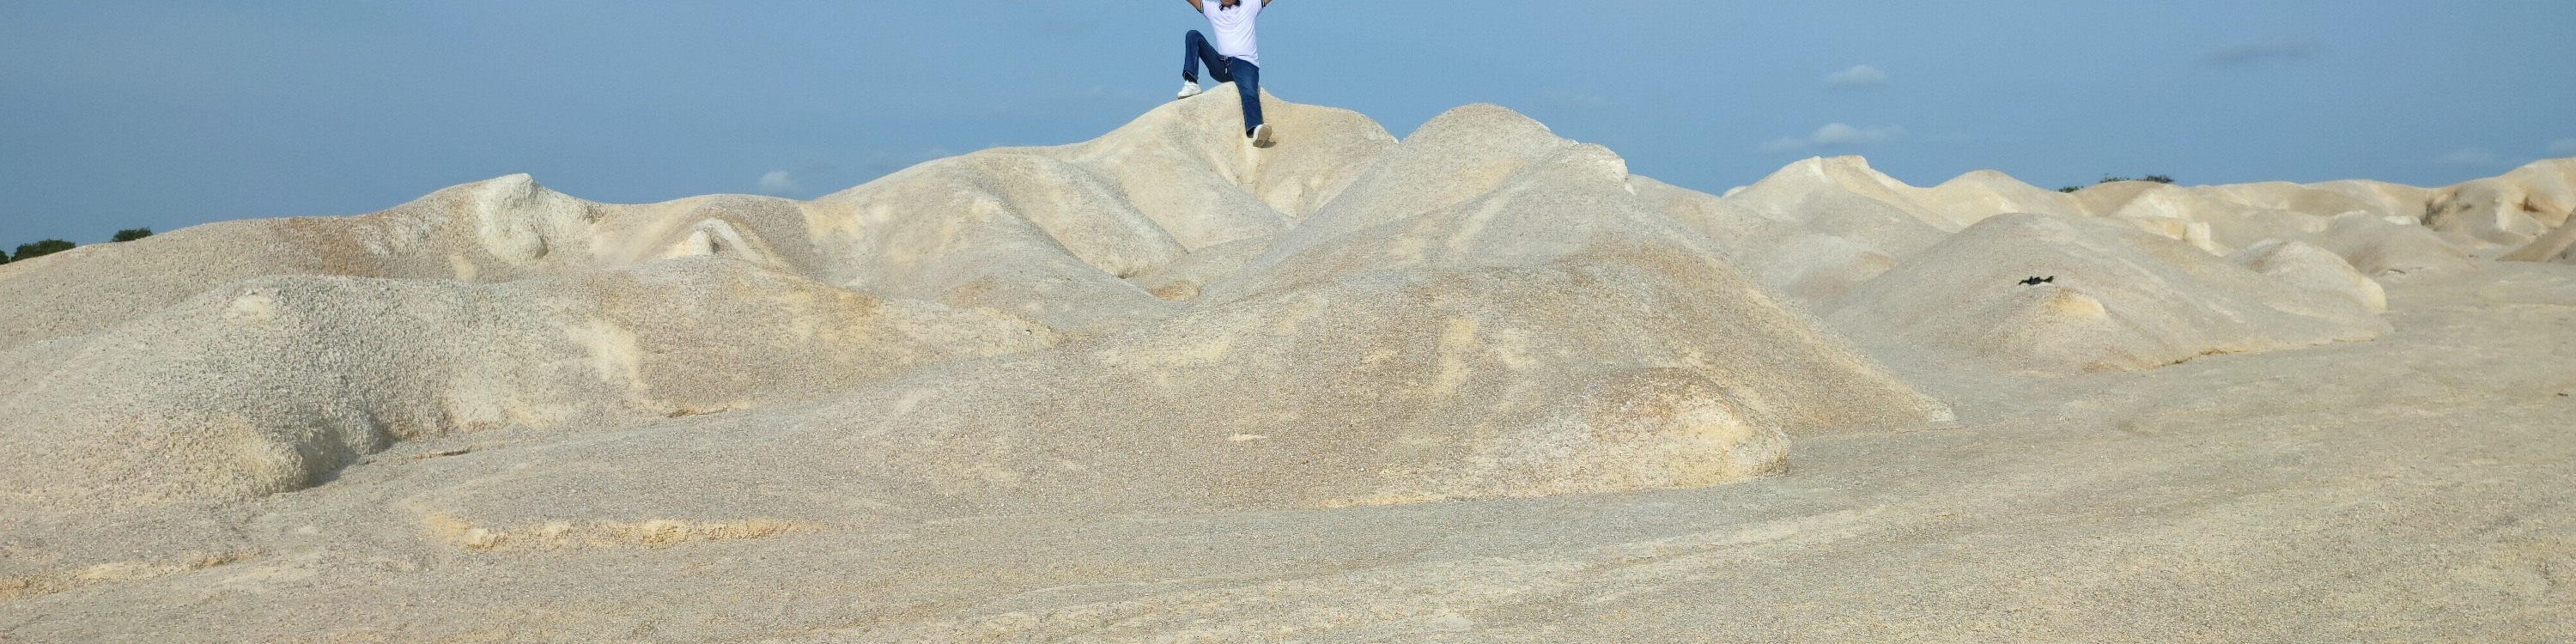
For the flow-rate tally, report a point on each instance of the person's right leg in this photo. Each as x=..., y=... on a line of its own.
x=1247, y=81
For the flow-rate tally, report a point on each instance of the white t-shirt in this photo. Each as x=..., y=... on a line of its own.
x=1234, y=38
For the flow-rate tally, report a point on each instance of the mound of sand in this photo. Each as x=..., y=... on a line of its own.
x=1973, y=197
x=2178, y=213
x=2314, y=269
x=493, y=231
x=1806, y=266
x=2509, y=210
x=2377, y=199
x=1843, y=196
x=2112, y=299
x=1812, y=230
x=2557, y=246
x=1821, y=227
x=1056, y=234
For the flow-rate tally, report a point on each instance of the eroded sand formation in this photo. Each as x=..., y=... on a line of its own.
x=1163, y=322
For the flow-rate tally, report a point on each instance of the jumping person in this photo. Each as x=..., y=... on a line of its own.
x=1235, y=58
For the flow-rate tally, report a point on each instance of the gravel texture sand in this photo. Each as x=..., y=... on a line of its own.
x=1479, y=384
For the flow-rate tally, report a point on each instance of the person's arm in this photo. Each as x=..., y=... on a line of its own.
x=1194, y=4
x=1265, y=4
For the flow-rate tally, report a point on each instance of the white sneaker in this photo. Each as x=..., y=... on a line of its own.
x=1261, y=136
x=1189, y=89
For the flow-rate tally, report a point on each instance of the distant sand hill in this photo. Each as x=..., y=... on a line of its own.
x=1162, y=320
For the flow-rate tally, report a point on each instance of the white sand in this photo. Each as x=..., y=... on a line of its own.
x=1477, y=385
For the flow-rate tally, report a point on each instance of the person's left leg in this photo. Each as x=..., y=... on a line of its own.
x=1247, y=81
x=1195, y=50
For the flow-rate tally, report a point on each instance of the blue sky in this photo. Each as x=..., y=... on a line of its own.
x=164, y=113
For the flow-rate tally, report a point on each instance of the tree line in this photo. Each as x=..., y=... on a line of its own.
x=2153, y=178
x=40, y=248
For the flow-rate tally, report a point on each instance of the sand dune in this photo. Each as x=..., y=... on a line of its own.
x=2112, y=298
x=938, y=394
x=1516, y=249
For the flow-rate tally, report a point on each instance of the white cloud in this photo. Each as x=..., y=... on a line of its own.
x=2563, y=146
x=1857, y=76
x=2470, y=156
x=1840, y=134
x=1834, y=135
x=778, y=183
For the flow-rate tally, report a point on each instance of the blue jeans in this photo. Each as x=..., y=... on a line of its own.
x=1245, y=76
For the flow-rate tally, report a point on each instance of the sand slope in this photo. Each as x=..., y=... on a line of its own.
x=272, y=384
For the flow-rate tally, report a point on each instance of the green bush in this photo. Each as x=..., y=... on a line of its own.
x=40, y=249
x=2153, y=178
x=131, y=234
